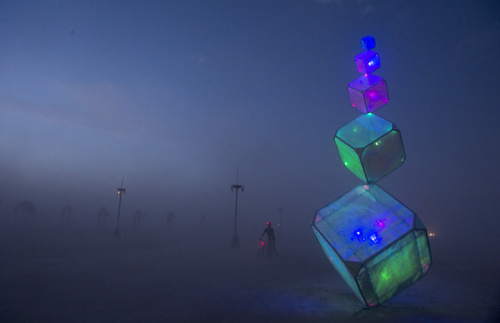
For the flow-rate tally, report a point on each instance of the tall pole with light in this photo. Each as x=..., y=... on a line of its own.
x=235, y=240
x=121, y=191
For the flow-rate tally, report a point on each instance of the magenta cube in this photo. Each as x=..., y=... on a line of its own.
x=368, y=93
x=367, y=62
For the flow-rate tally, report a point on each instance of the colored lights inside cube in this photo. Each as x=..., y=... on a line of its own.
x=370, y=147
x=378, y=249
x=385, y=229
x=374, y=238
x=368, y=93
x=377, y=244
x=367, y=62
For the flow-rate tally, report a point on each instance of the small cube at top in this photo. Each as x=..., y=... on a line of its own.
x=368, y=42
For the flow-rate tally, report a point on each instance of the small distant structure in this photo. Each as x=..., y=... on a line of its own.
x=25, y=211
x=235, y=241
x=66, y=214
x=102, y=215
x=138, y=215
x=121, y=191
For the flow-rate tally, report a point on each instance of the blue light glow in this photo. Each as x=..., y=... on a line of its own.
x=367, y=42
x=374, y=238
x=375, y=61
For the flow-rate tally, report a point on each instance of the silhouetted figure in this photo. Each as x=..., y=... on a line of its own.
x=66, y=215
x=103, y=215
x=271, y=239
x=25, y=211
x=138, y=215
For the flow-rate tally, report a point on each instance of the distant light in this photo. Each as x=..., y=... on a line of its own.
x=431, y=234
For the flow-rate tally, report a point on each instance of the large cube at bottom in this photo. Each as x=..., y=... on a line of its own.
x=377, y=245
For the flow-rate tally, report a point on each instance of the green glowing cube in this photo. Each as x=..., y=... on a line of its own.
x=370, y=147
x=378, y=246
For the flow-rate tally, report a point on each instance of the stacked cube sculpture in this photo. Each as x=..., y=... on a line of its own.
x=378, y=246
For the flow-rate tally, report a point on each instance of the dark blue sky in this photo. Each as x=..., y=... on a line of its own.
x=177, y=95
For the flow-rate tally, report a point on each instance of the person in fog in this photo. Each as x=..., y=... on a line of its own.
x=271, y=239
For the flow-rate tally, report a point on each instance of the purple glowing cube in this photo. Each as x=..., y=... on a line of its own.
x=367, y=62
x=368, y=42
x=368, y=93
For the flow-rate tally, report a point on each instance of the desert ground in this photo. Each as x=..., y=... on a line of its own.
x=61, y=274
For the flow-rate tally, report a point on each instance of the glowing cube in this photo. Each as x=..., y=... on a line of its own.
x=368, y=93
x=370, y=147
x=367, y=62
x=367, y=42
x=378, y=246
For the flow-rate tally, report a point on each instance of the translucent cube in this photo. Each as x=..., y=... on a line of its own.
x=378, y=246
x=367, y=42
x=370, y=147
x=367, y=62
x=368, y=93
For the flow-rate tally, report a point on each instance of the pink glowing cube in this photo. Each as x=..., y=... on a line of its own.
x=367, y=62
x=368, y=93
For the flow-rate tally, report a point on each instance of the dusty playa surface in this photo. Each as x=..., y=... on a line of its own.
x=62, y=275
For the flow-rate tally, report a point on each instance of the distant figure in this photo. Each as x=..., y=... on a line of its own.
x=66, y=214
x=138, y=215
x=271, y=239
x=26, y=211
x=103, y=215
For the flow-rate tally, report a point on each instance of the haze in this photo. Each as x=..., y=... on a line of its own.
x=175, y=97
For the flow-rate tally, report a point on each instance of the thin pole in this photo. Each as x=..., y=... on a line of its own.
x=235, y=240
x=121, y=191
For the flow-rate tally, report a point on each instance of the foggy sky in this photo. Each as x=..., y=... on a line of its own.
x=176, y=96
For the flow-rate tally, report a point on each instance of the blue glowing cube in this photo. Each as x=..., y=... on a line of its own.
x=377, y=245
x=367, y=62
x=370, y=147
x=367, y=42
x=368, y=93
